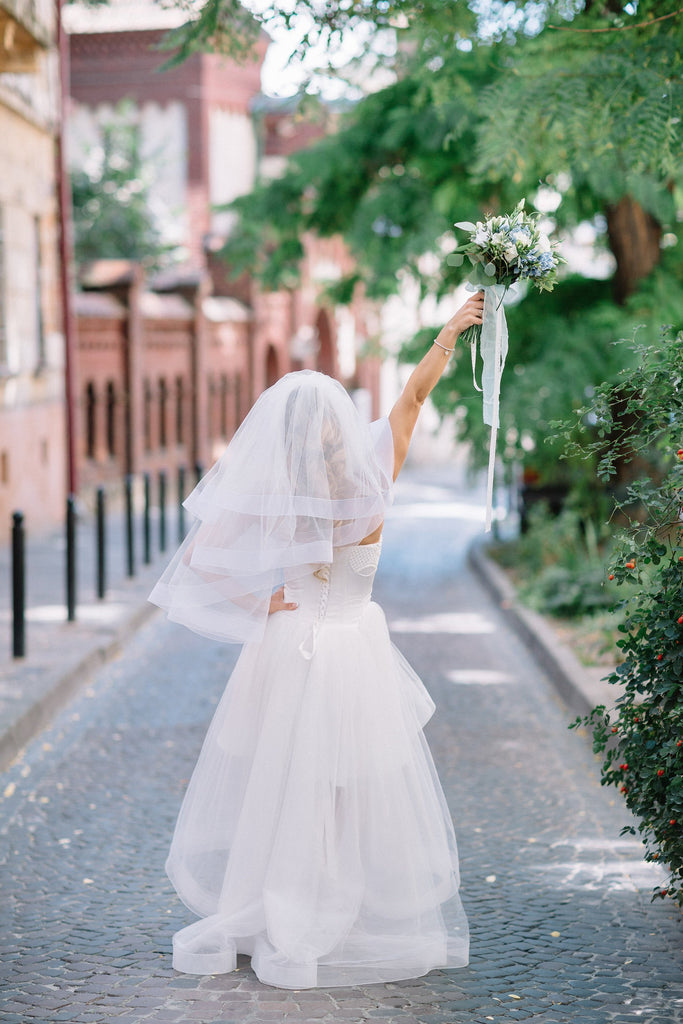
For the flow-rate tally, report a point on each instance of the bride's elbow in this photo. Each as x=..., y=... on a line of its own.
x=419, y=398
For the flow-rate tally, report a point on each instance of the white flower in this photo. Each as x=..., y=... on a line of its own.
x=499, y=238
x=511, y=253
x=521, y=235
x=482, y=235
x=543, y=243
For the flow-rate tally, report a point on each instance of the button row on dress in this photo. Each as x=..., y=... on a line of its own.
x=309, y=643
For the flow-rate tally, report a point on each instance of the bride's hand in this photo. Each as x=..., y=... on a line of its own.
x=469, y=314
x=278, y=603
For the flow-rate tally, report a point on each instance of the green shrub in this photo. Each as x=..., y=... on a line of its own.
x=563, y=559
x=560, y=591
x=640, y=422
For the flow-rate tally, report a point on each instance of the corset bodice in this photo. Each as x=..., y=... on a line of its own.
x=338, y=592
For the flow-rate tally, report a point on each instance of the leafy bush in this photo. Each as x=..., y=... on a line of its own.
x=561, y=591
x=640, y=423
x=563, y=559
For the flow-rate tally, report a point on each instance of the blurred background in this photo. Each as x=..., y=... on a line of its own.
x=198, y=197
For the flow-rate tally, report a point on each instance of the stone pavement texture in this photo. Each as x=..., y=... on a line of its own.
x=563, y=929
x=61, y=655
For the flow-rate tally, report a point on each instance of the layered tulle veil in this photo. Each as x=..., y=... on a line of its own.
x=300, y=477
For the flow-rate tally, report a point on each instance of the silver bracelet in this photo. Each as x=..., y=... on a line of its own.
x=443, y=346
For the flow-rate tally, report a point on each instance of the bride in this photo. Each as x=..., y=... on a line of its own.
x=314, y=835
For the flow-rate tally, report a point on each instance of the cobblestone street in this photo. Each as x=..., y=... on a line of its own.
x=563, y=929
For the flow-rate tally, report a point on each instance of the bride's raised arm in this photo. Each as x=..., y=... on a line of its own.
x=422, y=380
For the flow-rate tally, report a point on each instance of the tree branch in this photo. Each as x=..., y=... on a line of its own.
x=617, y=28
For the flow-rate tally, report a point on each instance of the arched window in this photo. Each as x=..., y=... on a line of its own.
x=179, y=417
x=147, y=416
x=272, y=366
x=325, y=350
x=224, y=407
x=211, y=409
x=90, y=420
x=163, y=404
x=239, y=408
x=111, y=419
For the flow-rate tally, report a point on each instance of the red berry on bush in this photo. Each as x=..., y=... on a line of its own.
x=664, y=892
x=614, y=729
x=630, y=565
x=659, y=657
x=623, y=766
x=624, y=789
x=679, y=453
x=636, y=719
x=673, y=821
x=660, y=771
x=655, y=856
x=679, y=743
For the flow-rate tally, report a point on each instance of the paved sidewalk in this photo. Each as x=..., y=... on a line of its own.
x=563, y=930
x=61, y=656
x=581, y=688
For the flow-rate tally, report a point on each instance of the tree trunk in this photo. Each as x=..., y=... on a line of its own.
x=634, y=237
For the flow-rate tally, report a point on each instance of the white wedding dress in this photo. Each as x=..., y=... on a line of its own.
x=314, y=835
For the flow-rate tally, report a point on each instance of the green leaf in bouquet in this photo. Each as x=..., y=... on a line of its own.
x=479, y=276
x=490, y=270
x=455, y=259
x=466, y=225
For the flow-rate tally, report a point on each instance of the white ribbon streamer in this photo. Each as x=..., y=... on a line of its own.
x=493, y=348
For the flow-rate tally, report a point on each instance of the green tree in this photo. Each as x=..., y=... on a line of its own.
x=484, y=111
x=590, y=106
x=111, y=200
x=599, y=100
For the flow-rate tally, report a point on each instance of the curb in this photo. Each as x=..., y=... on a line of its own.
x=558, y=662
x=18, y=733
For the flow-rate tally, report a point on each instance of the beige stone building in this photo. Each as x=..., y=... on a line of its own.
x=32, y=429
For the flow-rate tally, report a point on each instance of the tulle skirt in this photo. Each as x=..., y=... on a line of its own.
x=314, y=834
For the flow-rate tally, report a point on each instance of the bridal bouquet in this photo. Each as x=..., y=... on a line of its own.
x=502, y=251
x=508, y=249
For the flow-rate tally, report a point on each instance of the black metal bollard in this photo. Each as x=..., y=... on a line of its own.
x=146, y=525
x=181, y=498
x=130, y=536
x=18, y=587
x=162, y=510
x=71, y=558
x=101, y=543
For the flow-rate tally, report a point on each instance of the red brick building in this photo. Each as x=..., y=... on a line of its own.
x=163, y=372
x=168, y=367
